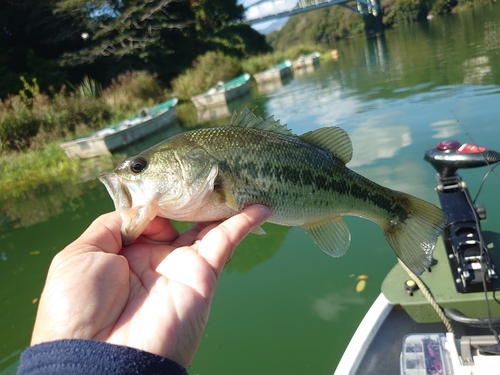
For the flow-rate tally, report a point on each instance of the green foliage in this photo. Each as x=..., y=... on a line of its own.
x=18, y=126
x=27, y=120
x=207, y=70
x=241, y=40
x=405, y=11
x=259, y=63
x=44, y=38
x=29, y=92
x=319, y=27
x=213, y=16
x=88, y=88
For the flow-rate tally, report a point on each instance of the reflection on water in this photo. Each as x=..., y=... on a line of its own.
x=411, y=176
x=258, y=249
x=305, y=70
x=37, y=206
x=268, y=86
x=374, y=140
x=476, y=69
x=445, y=129
x=223, y=112
x=377, y=54
x=212, y=113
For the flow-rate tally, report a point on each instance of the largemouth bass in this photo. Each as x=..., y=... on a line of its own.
x=213, y=173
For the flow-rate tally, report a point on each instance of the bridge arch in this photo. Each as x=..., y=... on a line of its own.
x=267, y=10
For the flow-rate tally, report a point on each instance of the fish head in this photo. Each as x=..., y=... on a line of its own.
x=166, y=181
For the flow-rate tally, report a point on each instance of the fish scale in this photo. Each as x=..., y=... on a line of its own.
x=212, y=174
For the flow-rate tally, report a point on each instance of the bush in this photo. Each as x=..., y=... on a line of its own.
x=30, y=118
x=136, y=85
x=259, y=63
x=207, y=70
x=19, y=122
x=17, y=128
x=84, y=112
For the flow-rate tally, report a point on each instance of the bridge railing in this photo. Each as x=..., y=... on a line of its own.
x=266, y=10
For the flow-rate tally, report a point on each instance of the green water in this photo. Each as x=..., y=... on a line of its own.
x=282, y=306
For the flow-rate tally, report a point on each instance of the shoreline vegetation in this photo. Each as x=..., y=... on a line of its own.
x=33, y=123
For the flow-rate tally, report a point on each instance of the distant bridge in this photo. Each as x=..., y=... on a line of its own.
x=267, y=10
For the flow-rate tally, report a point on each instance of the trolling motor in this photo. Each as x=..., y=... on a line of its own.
x=469, y=258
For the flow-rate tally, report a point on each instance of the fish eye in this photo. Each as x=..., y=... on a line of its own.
x=138, y=165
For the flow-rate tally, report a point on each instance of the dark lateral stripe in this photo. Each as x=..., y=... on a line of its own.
x=347, y=183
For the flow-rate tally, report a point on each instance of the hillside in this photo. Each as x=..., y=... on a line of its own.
x=326, y=25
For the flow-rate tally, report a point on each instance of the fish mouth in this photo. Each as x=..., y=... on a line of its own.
x=118, y=192
x=134, y=219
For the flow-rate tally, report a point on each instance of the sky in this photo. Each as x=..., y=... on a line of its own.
x=266, y=8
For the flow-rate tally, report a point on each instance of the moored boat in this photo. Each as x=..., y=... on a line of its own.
x=443, y=322
x=223, y=92
x=277, y=72
x=111, y=138
x=308, y=60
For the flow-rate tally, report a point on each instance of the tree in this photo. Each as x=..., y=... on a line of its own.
x=68, y=39
x=120, y=28
x=163, y=36
x=28, y=45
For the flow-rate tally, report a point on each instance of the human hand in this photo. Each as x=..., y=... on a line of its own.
x=153, y=295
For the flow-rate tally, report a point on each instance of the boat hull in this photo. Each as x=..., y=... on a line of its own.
x=376, y=345
x=276, y=73
x=103, y=144
x=215, y=98
x=306, y=61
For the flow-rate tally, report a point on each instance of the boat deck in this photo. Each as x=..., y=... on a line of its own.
x=382, y=355
x=441, y=284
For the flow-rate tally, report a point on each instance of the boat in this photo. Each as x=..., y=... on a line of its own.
x=445, y=321
x=304, y=61
x=114, y=137
x=223, y=92
x=276, y=73
x=271, y=86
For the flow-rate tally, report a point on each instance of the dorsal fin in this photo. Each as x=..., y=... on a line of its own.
x=332, y=139
x=248, y=119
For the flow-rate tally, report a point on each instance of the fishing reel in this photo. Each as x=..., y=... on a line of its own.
x=469, y=258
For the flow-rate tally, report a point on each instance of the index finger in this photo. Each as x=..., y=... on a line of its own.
x=218, y=244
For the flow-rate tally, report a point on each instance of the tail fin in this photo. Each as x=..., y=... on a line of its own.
x=414, y=237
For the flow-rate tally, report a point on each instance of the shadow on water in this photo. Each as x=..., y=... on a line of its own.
x=257, y=249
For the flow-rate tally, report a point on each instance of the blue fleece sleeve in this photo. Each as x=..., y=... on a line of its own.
x=94, y=358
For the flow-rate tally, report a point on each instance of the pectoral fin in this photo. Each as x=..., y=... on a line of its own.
x=230, y=200
x=332, y=236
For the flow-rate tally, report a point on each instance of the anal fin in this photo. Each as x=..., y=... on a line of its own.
x=332, y=236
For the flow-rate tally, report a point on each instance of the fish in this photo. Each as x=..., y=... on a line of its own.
x=211, y=174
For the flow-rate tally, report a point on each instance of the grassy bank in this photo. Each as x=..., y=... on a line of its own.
x=32, y=124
